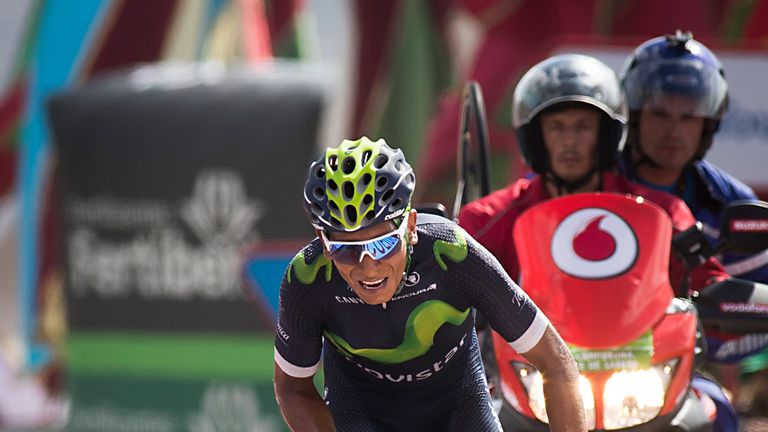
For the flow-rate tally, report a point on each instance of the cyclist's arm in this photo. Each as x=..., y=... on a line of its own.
x=561, y=382
x=302, y=407
x=298, y=344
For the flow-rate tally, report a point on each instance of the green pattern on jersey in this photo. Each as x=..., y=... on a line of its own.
x=420, y=330
x=307, y=273
x=456, y=251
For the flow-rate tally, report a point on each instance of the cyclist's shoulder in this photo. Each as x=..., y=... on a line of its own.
x=309, y=266
x=438, y=238
x=435, y=227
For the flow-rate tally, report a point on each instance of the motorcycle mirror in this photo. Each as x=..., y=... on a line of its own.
x=734, y=306
x=473, y=163
x=744, y=227
x=692, y=246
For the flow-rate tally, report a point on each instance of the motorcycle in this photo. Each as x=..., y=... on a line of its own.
x=597, y=265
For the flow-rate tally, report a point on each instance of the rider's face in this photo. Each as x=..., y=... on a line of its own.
x=570, y=137
x=669, y=133
x=375, y=281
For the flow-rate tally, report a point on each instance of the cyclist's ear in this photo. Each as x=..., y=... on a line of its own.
x=413, y=236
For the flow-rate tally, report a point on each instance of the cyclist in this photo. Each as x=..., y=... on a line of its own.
x=569, y=116
x=385, y=296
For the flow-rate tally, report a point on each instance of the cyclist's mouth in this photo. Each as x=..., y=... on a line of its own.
x=373, y=285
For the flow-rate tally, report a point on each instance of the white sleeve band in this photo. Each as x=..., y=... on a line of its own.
x=295, y=371
x=533, y=335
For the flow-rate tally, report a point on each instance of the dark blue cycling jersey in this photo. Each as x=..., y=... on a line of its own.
x=415, y=360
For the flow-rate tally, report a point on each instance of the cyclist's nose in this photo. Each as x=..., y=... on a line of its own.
x=368, y=262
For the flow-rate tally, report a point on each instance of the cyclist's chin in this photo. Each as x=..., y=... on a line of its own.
x=377, y=295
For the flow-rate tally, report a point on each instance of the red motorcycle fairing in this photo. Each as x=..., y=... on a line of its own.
x=674, y=337
x=597, y=265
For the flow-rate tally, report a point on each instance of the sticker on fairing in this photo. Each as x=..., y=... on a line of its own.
x=632, y=356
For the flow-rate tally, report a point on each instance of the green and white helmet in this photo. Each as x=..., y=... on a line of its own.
x=357, y=185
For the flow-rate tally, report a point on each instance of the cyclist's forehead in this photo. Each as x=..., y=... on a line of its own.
x=363, y=234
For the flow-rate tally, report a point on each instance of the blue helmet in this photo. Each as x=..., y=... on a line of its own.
x=676, y=65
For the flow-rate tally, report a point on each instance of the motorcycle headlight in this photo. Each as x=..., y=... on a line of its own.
x=633, y=397
x=534, y=385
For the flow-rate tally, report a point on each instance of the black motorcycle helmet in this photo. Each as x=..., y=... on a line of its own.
x=566, y=80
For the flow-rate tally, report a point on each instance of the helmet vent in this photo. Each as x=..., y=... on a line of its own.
x=381, y=183
x=316, y=209
x=366, y=157
x=320, y=171
x=348, y=189
x=333, y=162
x=332, y=185
x=363, y=182
x=409, y=180
x=387, y=196
x=336, y=223
x=333, y=206
x=380, y=161
x=348, y=165
x=318, y=193
x=350, y=213
x=367, y=199
x=399, y=166
x=395, y=204
x=370, y=215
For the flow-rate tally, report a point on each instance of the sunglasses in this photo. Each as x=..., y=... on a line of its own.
x=352, y=252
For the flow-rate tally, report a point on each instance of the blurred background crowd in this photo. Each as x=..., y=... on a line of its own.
x=152, y=155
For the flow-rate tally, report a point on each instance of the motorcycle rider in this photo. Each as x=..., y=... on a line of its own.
x=569, y=116
x=385, y=296
x=677, y=95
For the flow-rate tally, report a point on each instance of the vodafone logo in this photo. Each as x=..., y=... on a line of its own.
x=594, y=243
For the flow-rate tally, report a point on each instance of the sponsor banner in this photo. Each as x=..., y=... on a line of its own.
x=127, y=403
x=169, y=382
x=169, y=175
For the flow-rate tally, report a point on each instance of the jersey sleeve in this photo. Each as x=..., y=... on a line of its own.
x=298, y=335
x=507, y=308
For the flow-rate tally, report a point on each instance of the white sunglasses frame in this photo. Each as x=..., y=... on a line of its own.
x=402, y=231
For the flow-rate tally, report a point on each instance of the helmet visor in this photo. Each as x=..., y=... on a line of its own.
x=698, y=88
